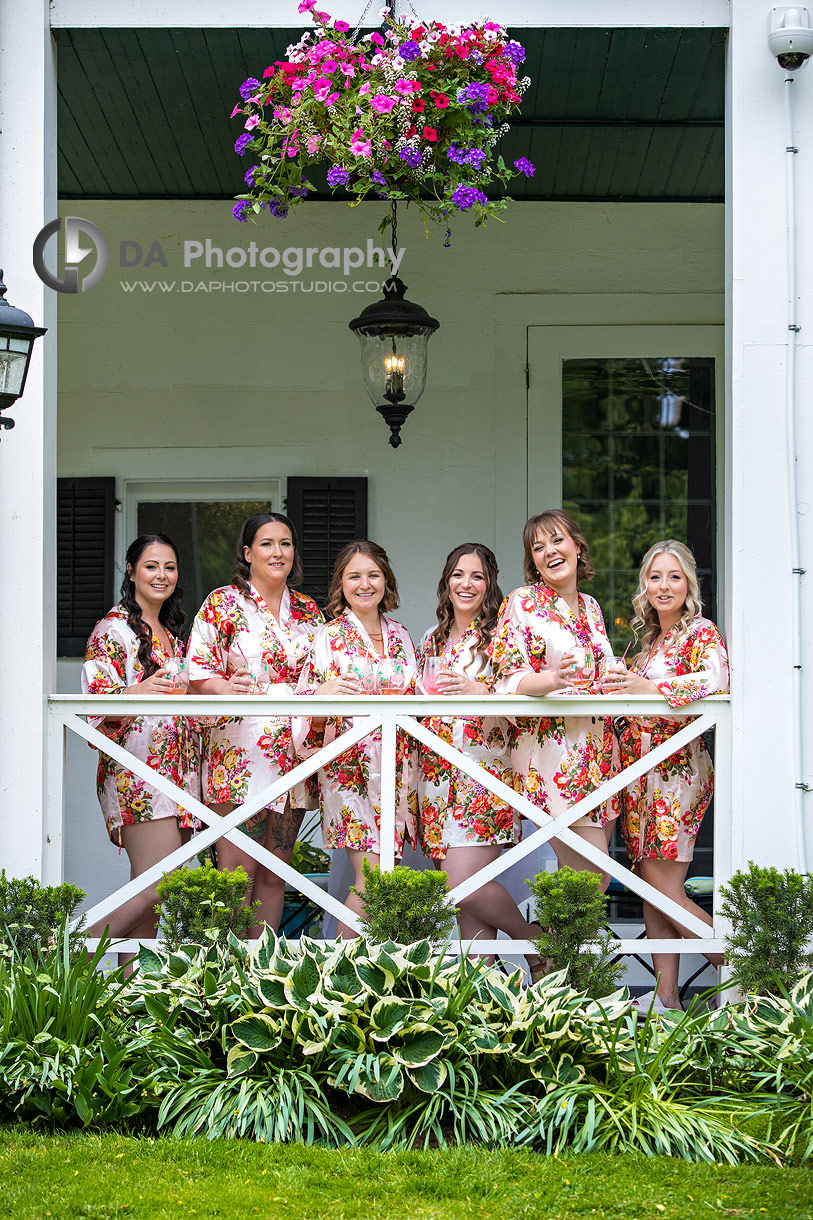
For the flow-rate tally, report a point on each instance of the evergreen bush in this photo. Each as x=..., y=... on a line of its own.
x=31, y=914
x=771, y=915
x=572, y=910
x=200, y=905
x=405, y=905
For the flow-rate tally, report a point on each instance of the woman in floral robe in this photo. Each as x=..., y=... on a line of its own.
x=257, y=619
x=342, y=661
x=461, y=824
x=683, y=658
x=557, y=759
x=130, y=652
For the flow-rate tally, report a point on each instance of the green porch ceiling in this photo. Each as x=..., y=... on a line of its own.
x=611, y=115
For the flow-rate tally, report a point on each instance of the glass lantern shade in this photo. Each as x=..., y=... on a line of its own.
x=394, y=363
x=14, y=357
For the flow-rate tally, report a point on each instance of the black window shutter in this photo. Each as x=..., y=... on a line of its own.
x=84, y=539
x=327, y=513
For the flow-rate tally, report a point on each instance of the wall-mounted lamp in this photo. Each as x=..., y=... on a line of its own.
x=17, y=335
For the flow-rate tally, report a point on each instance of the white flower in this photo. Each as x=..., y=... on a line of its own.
x=425, y=46
x=384, y=12
x=398, y=63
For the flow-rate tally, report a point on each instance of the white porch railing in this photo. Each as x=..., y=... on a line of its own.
x=67, y=712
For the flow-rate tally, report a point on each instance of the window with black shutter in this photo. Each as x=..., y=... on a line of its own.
x=84, y=538
x=327, y=513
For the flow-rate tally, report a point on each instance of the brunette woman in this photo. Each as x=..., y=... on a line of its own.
x=345, y=654
x=683, y=658
x=258, y=620
x=544, y=628
x=461, y=824
x=133, y=651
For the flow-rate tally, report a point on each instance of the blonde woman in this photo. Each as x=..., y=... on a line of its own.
x=683, y=658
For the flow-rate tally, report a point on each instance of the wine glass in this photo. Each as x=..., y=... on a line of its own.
x=177, y=672
x=432, y=667
x=260, y=675
x=391, y=675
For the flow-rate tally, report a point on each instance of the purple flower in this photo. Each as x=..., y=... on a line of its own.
x=278, y=209
x=524, y=166
x=337, y=175
x=241, y=143
x=411, y=157
x=249, y=174
x=378, y=178
x=248, y=87
x=298, y=192
x=409, y=50
x=475, y=96
x=465, y=197
x=458, y=155
x=477, y=159
x=239, y=211
x=515, y=51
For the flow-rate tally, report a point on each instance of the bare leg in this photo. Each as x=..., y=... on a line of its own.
x=230, y=857
x=568, y=857
x=146, y=843
x=280, y=838
x=355, y=903
x=668, y=876
x=490, y=907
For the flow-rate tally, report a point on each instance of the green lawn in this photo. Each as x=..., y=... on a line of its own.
x=65, y=1176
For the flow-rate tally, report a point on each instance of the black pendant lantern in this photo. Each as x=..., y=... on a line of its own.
x=17, y=335
x=393, y=335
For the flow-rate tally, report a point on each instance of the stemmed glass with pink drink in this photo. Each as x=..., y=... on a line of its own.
x=433, y=667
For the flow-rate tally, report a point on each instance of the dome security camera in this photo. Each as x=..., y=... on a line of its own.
x=790, y=37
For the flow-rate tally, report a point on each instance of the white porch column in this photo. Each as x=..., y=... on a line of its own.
x=28, y=452
x=758, y=505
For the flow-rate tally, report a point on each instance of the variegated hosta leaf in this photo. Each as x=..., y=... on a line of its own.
x=421, y=1044
x=343, y=981
x=303, y=983
x=429, y=1076
x=378, y=980
x=499, y=991
x=388, y=1017
x=149, y=962
x=257, y=1031
x=240, y=1060
x=486, y=1042
x=348, y=1039
x=419, y=954
x=384, y=1083
x=272, y=991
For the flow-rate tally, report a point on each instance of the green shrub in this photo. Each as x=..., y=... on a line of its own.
x=199, y=905
x=573, y=913
x=771, y=915
x=31, y=914
x=406, y=905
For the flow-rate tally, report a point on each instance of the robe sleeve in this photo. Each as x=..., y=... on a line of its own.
x=209, y=641
x=701, y=669
x=516, y=651
x=106, y=667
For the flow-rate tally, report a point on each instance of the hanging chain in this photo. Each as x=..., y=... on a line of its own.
x=394, y=226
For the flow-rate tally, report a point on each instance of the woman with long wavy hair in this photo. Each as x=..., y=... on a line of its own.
x=462, y=826
x=260, y=620
x=130, y=652
x=544, y=626
x=683, y=658
x=360, y=639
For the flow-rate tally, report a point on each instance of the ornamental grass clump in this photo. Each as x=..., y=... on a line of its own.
x=200, y=905
x=771, y=913
x=413, y=114
x=405, y=905
x=572, y=911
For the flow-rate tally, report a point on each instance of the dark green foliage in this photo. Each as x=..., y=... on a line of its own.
x=31, y=914
x=199, y=905
x=572, y=910
x=406, y=905
x=771, y=915
x=68, y=1052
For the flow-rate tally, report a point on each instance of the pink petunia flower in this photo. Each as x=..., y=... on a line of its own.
x=365, y=88
x=313, y=144
x=429, y=133
x=251, y=122
x=341, y=26
x=237, y=110
x=329, y=101
x=305, y=6
x=359, y=146
x=383, y=104
x=348, y=70
x=377, y=39
x=329, y=65
x=403, y=86
x=322, y=88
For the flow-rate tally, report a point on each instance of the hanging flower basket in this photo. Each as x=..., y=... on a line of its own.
x=412, y=114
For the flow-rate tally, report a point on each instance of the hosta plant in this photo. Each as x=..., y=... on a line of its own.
x=413, y=113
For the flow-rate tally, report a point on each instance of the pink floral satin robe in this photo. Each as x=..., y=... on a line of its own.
x=350, y=786
x=663, y=810
x=168, y=745
x=556, y=759
x=245, y=754
x=453, y=809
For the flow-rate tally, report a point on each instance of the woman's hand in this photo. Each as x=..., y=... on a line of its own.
x=344, y=684
x=627, y=682
x=159, y=683
x=451, y=683
x=241, y=682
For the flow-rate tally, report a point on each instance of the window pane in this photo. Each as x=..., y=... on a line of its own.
x=205, y=533
x=638, y=465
